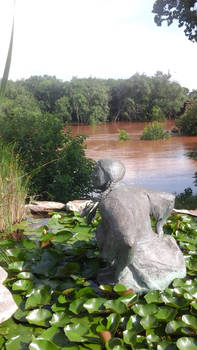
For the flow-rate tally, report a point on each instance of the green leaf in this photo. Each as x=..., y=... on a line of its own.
x=105, y=288
x=166, y=313
x=129, y=337
x=38, y=296
x=129, y=299
x=76, y=332
x=190, y=321
x=39, y=317
x=134, y=323
x=173, y=326
x=54, y=335
x=77, y=305
x=145, y=309
x=42, y=344
x=149, y=322
x=113, y=321
x=165, y=345
x=22, y=285
x=119, y=288
x=62, y=236
x=115, y=344
x=186, y=343
x=16, y=343
x=60, y=319
x=25, y=275
x=17, y=266
x=94, y=304
x=115, y=306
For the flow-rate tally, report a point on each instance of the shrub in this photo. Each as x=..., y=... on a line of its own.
x=157, y=114
x=13, y=188
x=53, y=159
x=123, y=135
x=187, y=123
x=154, y=131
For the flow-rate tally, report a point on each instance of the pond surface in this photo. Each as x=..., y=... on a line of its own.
x=160, y=164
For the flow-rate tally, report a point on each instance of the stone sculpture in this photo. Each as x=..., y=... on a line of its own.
x=7, y=303
x=137, y=257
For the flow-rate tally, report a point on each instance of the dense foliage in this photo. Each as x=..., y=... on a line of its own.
x=184, y=11
x=52, y=277
x=187, y=123
x=138, y=98
x=186, y=199
x=154, y=131
x=54, y=160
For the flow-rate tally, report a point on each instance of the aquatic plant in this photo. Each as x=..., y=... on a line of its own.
x=52, y=276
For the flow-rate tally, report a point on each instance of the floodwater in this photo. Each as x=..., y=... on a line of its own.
x=160, y=164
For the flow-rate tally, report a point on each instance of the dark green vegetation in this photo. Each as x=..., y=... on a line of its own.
x=53, y=159
x=139, y=98
x=184, y=11
x=52, y=277
x=187, y=123
x=186, y=199
x=154, y=131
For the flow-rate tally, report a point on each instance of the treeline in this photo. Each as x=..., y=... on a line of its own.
x=139, y=98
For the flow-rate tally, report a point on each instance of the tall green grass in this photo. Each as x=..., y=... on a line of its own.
x=13, y=188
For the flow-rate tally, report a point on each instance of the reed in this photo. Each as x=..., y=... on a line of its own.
x=13, y=188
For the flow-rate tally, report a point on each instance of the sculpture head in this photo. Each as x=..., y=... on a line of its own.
x=107, y=172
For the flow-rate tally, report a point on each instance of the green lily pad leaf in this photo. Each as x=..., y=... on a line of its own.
x=94, y=304
x=62, y=299
x=178, y=282
x=190, y=321
x=22, y=285
x=113, y=321
x=115, y=306
x=175, y=301
x=25, y=276
x=153, y=296
x=39, y=317
x=60, y=319
x=173, y=326
x=145, y=309
x=2, y=342
x=149, y=322
x=76, y=332
x=17, y=266
x=43, y=344
x=192, y=290
x=88, y=346
x=46, y=237
x=28, y=244
x=105, y=288
x=62, y=236
x=186, y=343
x=54, y=335
x=152, y=338
x=165, y=345
x=115, y=344
x=129, y=337
x=38, y=296
x=134, y=323
x=16, y=343
x=194, y=304
x=166, y=313
x=16, y=253
x=119, y=288
x=77, y=305
x=57, y=307
x=87, y=291
x=129, y=299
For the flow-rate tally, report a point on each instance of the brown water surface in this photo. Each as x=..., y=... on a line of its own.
x=160, y=164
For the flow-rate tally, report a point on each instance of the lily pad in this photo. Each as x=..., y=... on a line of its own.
x=39, y=317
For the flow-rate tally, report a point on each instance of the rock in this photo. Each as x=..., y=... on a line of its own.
x=77, y=205
x=7, y=303
x=43, y=207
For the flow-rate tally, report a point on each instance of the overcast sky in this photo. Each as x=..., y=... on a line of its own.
x=93, y=38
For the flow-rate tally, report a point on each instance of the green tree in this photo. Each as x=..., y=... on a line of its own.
x=63, y=109
x=184, y=11
x=187, y=123
x=154, y=131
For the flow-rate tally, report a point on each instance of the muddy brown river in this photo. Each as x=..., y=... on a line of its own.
x=160, y=164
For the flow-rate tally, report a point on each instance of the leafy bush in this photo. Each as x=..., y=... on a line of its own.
x=186, y=200
x=123, y=135
x=55, y=160
x=187, y=123
x=157, y=114
x=13, y=188
x=154, y=131
x=60, y=305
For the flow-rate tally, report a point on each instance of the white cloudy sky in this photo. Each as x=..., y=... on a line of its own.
x=97, y=38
